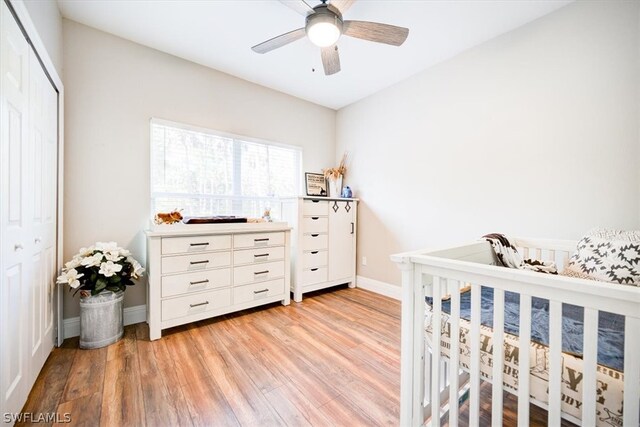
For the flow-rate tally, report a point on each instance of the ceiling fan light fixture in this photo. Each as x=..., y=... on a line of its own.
x=324, y=27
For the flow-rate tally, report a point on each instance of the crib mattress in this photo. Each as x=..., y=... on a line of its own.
x=609, y=380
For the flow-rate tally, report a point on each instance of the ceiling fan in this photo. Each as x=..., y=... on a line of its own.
x=324, y=26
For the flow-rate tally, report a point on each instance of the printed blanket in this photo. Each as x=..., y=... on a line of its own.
x=509, y=256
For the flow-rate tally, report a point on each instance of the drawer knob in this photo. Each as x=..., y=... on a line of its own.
x=260, y=255
x=264, y=239
x=261, y=291
x=314, y=269
x=199, y=262
x=199, y=282
x=261, y=272
x=314, y=235
x=198, y=304
x=315, y=218
x=199, y=244
x=314, y=252
x=314, y=201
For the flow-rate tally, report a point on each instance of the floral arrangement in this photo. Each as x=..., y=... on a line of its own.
x=337, y=172
x=104, y=266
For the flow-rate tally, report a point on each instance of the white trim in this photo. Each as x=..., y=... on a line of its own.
x=382, y=288
x=131, y=316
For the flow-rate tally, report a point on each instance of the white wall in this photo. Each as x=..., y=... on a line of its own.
x=113, y=87
x=533, y=133
x=48, y=22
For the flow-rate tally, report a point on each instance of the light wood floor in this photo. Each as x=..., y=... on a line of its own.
x=333, y=359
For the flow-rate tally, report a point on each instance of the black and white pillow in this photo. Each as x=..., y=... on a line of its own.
x=610, y=256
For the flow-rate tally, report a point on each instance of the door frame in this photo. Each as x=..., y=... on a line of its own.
x=20, y=13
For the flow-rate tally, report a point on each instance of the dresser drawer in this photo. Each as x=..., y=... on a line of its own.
x=314, y=241
x=314, y=259
x=184, y=245
x=315, y=224
x=195, y=262
x=257, y=240
x=195, y=282
x=194, y=304
x=252, y=256
x=310, y=276
x=258, y=291
x=315, y=207
x=258, y=272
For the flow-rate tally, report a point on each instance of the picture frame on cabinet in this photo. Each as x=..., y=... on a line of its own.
x=316, y=184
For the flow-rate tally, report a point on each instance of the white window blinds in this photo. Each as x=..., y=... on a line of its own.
x=204, y=172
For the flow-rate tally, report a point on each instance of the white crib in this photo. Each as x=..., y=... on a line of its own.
x=432, y=384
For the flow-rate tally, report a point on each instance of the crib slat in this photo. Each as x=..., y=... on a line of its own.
x=474, y=382
x=454, y=353
x=524, y=362
x=435, y=352
x=538, y=254
x=498, y=357
x=555, y=361
x=631, y=372
x=552, y=255
x=590, y=360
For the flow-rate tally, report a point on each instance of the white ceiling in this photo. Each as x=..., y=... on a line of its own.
x=219, y=34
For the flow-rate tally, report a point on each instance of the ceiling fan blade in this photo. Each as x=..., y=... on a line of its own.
x=330, y=59
x=342, y=5
x=299, y=6
x=279, y=41
x=376, y=32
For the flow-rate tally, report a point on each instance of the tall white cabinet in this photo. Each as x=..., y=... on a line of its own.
x=28, y=204
x=323, y=243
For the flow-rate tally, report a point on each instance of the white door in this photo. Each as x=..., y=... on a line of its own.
x=42, y=189
x=28, y=171
x=341, y=240
x=14, y=218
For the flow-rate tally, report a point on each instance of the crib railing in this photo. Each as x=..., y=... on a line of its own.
x=431, y=386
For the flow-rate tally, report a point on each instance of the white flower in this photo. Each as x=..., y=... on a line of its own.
x=112, y=256
x=108, y=269
x=93, y=260
x=137, y=268
x=107, y=246
x=74, y=263
x=124, y=252
x=83, y=252
x=70, y=278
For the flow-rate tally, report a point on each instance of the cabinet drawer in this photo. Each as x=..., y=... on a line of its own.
x=314, y=259
x=251, y=256
x=315, y=224
x=195, y=282
x=257, y=240
x=310, y=276
x=258, y=291
x=194, y=304
x=258, y=272
x=315, y=207
x=314, y=241
x=195, y=262
x=183, y=245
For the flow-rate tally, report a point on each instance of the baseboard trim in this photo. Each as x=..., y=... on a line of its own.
x=131, y=316
x=382, y=288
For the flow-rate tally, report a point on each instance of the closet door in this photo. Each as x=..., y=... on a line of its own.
x=15, y=229
x=341, y=240
x=42, y=187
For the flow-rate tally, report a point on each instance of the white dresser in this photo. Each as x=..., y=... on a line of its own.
x=201, y=271
x=323, y=242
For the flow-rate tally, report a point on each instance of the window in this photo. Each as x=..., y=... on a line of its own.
x=204, y=172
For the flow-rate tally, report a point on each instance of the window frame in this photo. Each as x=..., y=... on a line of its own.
x=237, y=174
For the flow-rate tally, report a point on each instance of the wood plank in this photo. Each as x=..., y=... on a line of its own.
x=294, y=407
x=86, y=374
x=207, y=404
x=83, y=411
x=122, y=399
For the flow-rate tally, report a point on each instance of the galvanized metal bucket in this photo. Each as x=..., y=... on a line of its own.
x=101, y=319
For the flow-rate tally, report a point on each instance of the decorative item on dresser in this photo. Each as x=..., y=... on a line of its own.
x=201, y=271
x=323, y=243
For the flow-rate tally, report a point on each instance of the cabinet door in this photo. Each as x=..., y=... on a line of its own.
x=342, y=224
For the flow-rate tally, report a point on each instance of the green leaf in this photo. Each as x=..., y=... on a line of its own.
x=114, y=279
x=100, y=284
x=113, y=288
